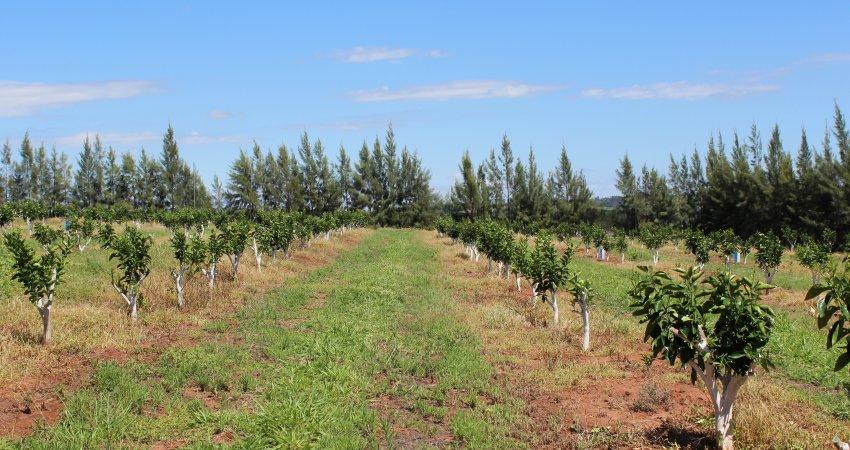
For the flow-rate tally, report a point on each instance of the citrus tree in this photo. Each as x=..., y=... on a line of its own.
x=520, y=261
x=700, y=246
x=39, y=274
x=727, y=243
x=620, y=243
x=215, y=249
x=790, y=235
x=190, y=254
x=82, y=229
x=581, y=291
x=549, y=273
x=814, y=256
x=653, y=237
x=234, y=236
x=768, y=254
x=833, y=312
x=715, y=326
x=131, y=251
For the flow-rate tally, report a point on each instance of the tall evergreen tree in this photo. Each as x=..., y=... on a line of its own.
x=627, y=184
x=86, y=188
x=172, y=184
x=570, y=194
x=241, y=193
x=466, y=193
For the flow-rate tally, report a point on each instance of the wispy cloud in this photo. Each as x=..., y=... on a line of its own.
x=471, y=89
x=680, y=90
x=360, y=55
x=219, y=114
x=372, y=54
x=196, y=138
x=829, y=57
x=117, y=139
x=24, y=98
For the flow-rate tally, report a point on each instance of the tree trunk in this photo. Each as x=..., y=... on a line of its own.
x=257, y=253
x=622, y=257
x=212, y=274
x=46, y=328
x=234, y=265
x=654, y=257
x=134, y=306
x=518, y=283
x=585, y=322
x=179, y=276
x=768, y=276
x=839, y=444
x=556, y=312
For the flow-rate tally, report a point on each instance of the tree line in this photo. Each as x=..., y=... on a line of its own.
x=391, y=185
x=746, y=187
x=505, y=188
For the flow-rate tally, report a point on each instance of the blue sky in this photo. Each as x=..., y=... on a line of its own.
x=604, y=78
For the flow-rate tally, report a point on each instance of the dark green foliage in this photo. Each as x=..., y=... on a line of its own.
x=723, y=306
x=768, y=253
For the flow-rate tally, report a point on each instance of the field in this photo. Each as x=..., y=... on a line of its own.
x=385, y=338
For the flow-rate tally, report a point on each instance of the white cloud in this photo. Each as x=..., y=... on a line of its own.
x=219, y=114
x=437, y=54
x=23, y=98
x=117, y=139
x=195, y=138
x=472, y=89
x=680, y=90
x=829, y=58
x=372, y=54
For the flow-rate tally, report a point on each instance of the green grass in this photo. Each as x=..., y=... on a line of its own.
x=304, y=367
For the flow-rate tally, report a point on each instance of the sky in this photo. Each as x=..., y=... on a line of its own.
x=604, y=79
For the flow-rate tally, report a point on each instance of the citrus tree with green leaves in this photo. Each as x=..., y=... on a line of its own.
x=191, y=255
x=620, y=243
x=520, y=261
x=814, y=256
x=131, y=251
x=653, y=237
x=235, y=237
x=714, y=326
x=768, y=254
x=700, y=246
x=549, y=273
x=726, y=242
x=216, y=247
x=582, y=291
x=82, y=229
x=833, y=312
x=39, y=274
x=7, y=214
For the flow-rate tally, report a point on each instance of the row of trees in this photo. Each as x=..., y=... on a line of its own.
x=502, y=187
x=714, y=325
x=745, y=187
x=197, y=248
x=388, y=183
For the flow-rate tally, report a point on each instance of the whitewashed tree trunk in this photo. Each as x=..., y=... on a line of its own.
x=518, y=282
x=533, y=295
x=839, y=444
x=655, y=257
x=556, y=312
x=622, y=257
x=46, y=328
x=234, y=265
x=585, y=322
x=210, y=274
x=179, y=276
x=258, y=255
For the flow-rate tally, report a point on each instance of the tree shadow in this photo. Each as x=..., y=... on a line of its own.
x=682, y=434
x=25, y=337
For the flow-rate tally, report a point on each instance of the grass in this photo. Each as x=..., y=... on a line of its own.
x=361, y=353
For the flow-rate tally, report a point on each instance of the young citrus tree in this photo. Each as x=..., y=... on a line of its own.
x=215, y=249
x=131, y=250
x=549, y=273
x=581, y=290
x=620, y=243
x=814, y=256
x=235, y=238
x=833, y=311
x=38, y=274
x=520, y=261
x=727, y=243
x=715, y=326
x=82, y=229
x=653, y=237
x=190, y=254
x=790, y=235
x=768, y=254
x=700, y=246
